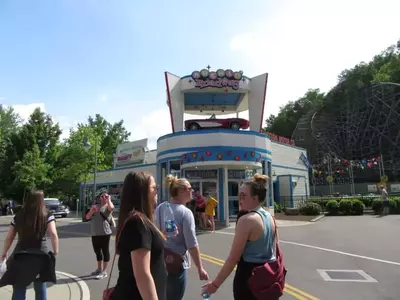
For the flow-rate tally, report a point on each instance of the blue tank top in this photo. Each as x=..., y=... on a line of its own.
x=261, y=250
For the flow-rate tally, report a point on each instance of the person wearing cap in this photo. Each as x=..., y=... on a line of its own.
x=101, y=229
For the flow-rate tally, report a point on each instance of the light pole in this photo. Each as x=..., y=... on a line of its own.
x=87, y=146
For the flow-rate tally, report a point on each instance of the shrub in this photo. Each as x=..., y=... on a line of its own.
x=377, y=206
x=357, y=207
x=321, y=202
x=310, y=209
x=277, y=207
x=367, y=201
x=332, y=207
x=392, y=206
x=345, y=206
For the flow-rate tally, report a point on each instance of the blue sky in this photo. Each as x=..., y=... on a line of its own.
x=75, y=58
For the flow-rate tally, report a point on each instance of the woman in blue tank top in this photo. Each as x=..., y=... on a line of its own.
x=254, y=241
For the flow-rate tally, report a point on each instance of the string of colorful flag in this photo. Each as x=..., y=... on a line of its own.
x=341, y=166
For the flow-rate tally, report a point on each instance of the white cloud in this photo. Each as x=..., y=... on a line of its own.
x=151, y=126
x=306, y=44
x=25, y=110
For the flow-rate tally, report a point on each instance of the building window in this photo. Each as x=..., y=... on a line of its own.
x=175, y=168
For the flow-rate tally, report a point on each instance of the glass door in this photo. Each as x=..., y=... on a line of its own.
x=209, y=189
x=233, y=197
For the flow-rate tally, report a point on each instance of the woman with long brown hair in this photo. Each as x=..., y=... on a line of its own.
x=31, y=224
x=142, y=273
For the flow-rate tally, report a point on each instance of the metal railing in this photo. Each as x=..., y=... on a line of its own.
x=291, y=201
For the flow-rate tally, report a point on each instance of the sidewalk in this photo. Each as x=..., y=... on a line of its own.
x=68, y=287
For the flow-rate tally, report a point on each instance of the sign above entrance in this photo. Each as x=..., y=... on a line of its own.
x=131, y=153
x=201, y=174
x=219, y=79
x=241, y=174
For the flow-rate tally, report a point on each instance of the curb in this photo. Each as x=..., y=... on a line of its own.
x=85, y=292
x=75, y=283
x=317, y=218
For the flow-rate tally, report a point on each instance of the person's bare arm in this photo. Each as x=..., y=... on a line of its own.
x=110, y=205
x=242, y=233
x=195, y=254
x=91, y=212
x=52, y=230
x=9, y=240
x=141, y=269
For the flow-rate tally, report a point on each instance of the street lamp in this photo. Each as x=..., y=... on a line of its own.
x=86, y=144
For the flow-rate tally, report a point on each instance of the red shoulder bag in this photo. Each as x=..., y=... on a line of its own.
x=268, y=281
x=108, y=291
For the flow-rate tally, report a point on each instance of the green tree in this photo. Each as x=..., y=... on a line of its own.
x=384, y=67
x=285, y=122
x=109, y=135
x=32, y=171
x=9, y=125
x=38, y=132
x=75, y=162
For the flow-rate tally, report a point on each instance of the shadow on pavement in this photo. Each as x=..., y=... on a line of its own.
x=82, y=230
x=73, y=230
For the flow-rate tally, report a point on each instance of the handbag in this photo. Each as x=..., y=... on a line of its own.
x=173, y=261
x=108, y=291
x=110, y=220
x=268, y=281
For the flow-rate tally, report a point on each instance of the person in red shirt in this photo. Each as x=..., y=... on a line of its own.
x=201, y=210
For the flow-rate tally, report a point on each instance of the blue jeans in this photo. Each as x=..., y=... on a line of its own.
x=176, y=285
x=40, y=292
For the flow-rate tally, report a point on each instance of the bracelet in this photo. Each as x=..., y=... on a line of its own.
x=216, y=286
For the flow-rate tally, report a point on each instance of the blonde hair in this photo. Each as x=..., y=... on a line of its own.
x=258, y=186
x=174, y=184
x=261, y=179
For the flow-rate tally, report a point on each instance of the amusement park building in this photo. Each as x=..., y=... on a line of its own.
x=215, y=154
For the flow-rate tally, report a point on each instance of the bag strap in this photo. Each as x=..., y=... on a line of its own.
x=104, y=217
x=276, y=239
x=159, y=215
x=116, y=247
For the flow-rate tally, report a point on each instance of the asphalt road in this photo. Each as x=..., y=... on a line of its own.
x=364, y=243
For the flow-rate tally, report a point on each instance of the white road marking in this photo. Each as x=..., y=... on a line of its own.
x=82, y=284
x=395, y=263
x=366, y=278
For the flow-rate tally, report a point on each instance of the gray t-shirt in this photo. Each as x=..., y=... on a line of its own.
x=100, y=226
x=186, y=237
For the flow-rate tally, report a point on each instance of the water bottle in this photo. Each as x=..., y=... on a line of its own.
x=171, y=229
x=205, y=296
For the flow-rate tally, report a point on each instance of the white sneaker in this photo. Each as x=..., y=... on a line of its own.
x=97, y=272
x=102, y=275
